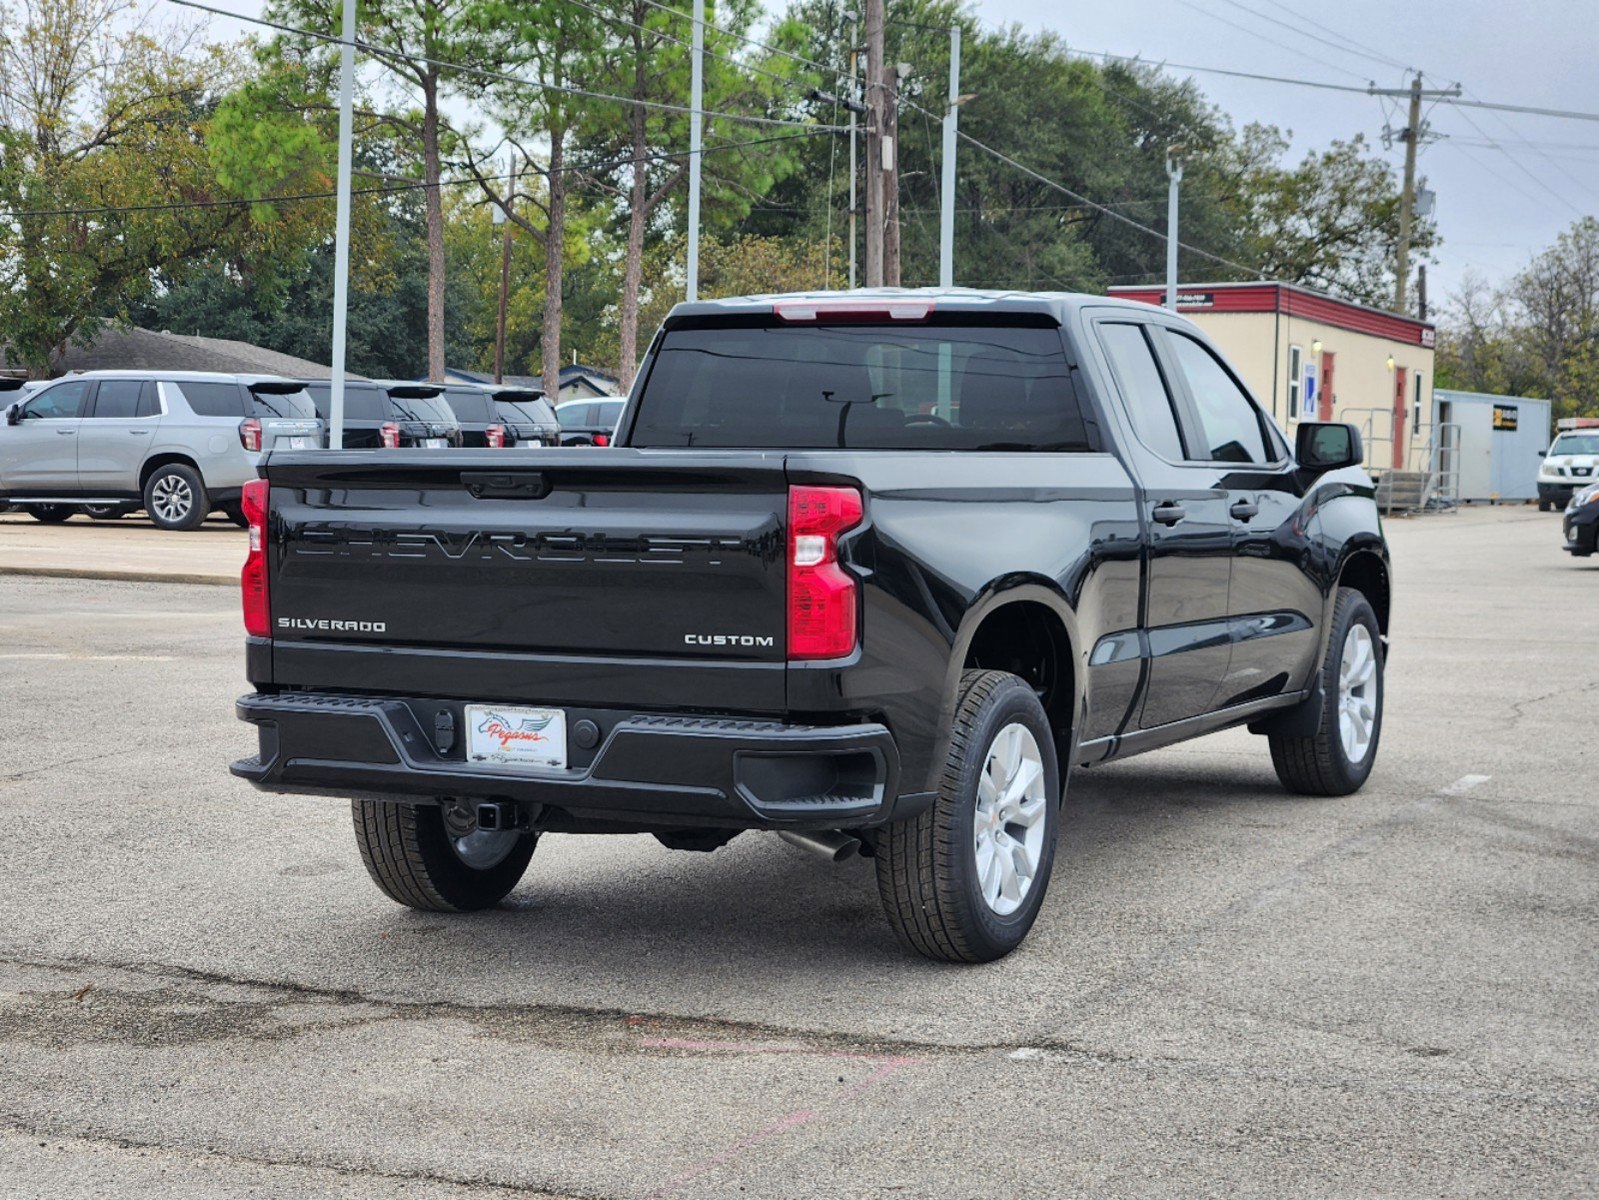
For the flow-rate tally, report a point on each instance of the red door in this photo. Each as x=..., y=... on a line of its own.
x=1326, y=386
x=1401, y=411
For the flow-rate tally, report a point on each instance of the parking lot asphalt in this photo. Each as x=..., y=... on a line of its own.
x=130, y=548
x=1229, y=992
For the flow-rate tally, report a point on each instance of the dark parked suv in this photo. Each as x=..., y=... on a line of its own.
x=484, y=421
x=389, y=416
x=877, y=571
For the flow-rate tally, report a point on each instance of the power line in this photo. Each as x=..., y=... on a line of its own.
x=387, y=189
x=1271, y=41
x=385, y=52
x=1382, y=60
x=1111, y=213
x=1371, y=50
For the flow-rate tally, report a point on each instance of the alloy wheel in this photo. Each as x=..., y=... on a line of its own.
x=1357, y=693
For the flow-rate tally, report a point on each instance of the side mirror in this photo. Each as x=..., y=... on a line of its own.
x=1543, y=454
x=1327, y=447
x=14, y=414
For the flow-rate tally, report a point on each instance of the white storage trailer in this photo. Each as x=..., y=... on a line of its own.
x=1500, y=439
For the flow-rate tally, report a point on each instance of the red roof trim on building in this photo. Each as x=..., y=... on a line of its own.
x=1291, y=301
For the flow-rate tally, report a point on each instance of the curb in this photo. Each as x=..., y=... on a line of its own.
x=122, y=576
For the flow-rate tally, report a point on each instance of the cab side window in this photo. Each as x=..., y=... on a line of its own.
x=1143, y=390
x=1231, y=423
x=60, y=403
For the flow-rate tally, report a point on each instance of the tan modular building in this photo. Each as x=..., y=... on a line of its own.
x=1309, y=356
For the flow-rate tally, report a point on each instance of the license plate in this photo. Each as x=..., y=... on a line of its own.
x=299, y=443
x=524, y=737
x=535, y=444
x=434, y=443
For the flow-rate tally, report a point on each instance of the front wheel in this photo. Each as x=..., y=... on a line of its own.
x=1544, y=506
x=433, y=857
x=963, y=881
x=1337, y=758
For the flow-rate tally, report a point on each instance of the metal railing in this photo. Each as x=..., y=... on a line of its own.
x=1443, y=467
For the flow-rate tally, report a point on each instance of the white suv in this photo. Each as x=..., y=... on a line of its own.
x=1568, y=466
x=178, y=444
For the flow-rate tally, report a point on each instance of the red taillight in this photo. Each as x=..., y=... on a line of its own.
x=253, y=579
x=389, y=435
x=496, y=436
x=822, y=596
x=250, y=434
x=602, y=439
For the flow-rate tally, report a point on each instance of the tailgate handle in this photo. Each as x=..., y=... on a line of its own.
x=506, y=485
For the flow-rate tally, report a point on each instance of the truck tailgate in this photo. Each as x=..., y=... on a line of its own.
x=471, y=574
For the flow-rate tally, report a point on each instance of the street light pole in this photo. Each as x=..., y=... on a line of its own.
x=946, y=216
x=1174, y=174
x=341, y=227
x=503, y=218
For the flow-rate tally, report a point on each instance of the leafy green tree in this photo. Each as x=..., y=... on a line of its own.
x=105, y=114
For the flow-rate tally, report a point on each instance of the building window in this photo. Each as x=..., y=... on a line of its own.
x=1295, y=357
x=1415, y=423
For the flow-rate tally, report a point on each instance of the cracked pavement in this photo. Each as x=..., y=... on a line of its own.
x=1230, y=991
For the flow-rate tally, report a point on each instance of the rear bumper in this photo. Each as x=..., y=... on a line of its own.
x=646, y=770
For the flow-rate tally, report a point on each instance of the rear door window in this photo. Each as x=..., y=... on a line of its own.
x=1143, y=389
x=213, y=399
x=118, y=399
x=935, y=386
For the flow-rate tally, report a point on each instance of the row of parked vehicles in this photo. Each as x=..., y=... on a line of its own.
x=182, y=445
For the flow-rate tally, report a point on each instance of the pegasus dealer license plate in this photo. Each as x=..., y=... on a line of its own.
x=524, y=737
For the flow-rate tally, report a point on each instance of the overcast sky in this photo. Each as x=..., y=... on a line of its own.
x=1496, y=204
x=1495, y=207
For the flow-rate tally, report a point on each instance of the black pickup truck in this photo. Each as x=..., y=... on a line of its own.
x=874, y=570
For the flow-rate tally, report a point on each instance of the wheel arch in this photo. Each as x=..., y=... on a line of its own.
x=165, y=458
x=1021, y=623
x=1366, y=571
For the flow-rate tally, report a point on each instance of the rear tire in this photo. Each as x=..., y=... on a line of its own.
x=106, y=512
x=1544, y=506
x=964, y=880
x=1337, y=759
x=49, y=514
x=175, y=498
x=417, y=861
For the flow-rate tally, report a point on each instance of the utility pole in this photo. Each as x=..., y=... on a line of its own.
x=1174, y=177
x=875, y=120
x=341, y=226
x=946, y=215
x=696, y=136
x=1421, y=291
x=854, y=166
x=892, y=78
x=502, y=217
x=1411, y=135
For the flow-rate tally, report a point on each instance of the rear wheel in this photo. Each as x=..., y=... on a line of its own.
x=433, y=857
x=1544, y=506
x=107, y=512
x=175, y=497
x=50, y=514
x=963, y=881
x=1338, y=757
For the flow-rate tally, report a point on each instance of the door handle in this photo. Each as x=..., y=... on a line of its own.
x=65, y=432
x=139, y=432
x=1244, y=509
x=1169, y=513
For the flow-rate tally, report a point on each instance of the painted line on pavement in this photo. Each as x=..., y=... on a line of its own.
x=1464, y=784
